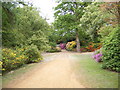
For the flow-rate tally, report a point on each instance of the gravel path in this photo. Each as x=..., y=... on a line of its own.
x=55, y=72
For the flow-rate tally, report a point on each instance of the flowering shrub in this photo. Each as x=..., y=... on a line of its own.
x=14, y=58
x=91, y=47
x=71, y=45
x=62, y=45
x=83, y=49
x=97, y=55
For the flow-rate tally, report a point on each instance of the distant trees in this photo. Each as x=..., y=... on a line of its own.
x=23, y=26
x=67, y=20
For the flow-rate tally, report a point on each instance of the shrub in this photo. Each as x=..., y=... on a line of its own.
x=91, y=47
x=12, y=59
x=62, y=45
x=71, y=45
x=111, y=51
x=54, y=49
x=98, y=57
x=83, y=49
x=58, y=48
x=52, y=44
x=33, y=54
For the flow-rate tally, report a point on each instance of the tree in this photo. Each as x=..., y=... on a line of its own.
x=27, y=28
x=93, y=19
x=113, y=8
x=68, y=16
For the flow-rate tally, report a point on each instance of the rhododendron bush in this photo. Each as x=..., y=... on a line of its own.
x=97, y=55
x=62, y=45
x=71, y=45
x=91, y=47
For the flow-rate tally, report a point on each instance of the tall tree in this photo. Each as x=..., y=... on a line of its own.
x=113, y=8
x=68, y=16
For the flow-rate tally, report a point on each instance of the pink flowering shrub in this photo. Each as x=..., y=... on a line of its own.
x=62, y=45
x=98, y=57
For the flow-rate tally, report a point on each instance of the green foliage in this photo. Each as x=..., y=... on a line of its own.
x=67, y=20
x=12, y=59
x=89, y=73
x=54, y=49
x=111, y=48
x=39, y=40
x=28, y=27
x=33, y=54
x=92, y=20
x=52, y=44
x=105, y=31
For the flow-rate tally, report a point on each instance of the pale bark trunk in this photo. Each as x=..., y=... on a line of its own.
x=78, y=43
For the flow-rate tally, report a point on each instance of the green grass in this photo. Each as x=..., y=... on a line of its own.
x=91, y=75
x=8, y=77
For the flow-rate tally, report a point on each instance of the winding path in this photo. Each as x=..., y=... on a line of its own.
x=55, y=72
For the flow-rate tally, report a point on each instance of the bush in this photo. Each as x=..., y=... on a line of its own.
x=12, y=59
x=70, y=45
x=83, y=49
x=91, y=47
x=62, y=45
x=52, y=44
x=111, y=49
x=33, y=54
x=97, y=55
x=54, y=49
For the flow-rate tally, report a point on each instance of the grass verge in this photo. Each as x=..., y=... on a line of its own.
x=14, y=74
x=91, y=75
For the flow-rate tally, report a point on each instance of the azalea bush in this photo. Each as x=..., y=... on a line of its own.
x=71, y=45
x=91, y=47
x=14, y=58
x=62, y=45
x=97, y=55
x=11, y=59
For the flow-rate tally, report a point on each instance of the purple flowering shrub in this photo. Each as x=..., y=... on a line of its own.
x=62, y=45
x=97, y=55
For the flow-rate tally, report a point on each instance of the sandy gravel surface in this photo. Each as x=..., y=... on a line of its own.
x=55, y=72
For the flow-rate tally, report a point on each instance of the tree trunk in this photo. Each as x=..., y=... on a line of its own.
x=78, y=42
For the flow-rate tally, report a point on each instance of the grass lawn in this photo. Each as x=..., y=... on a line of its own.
x=91, y=75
